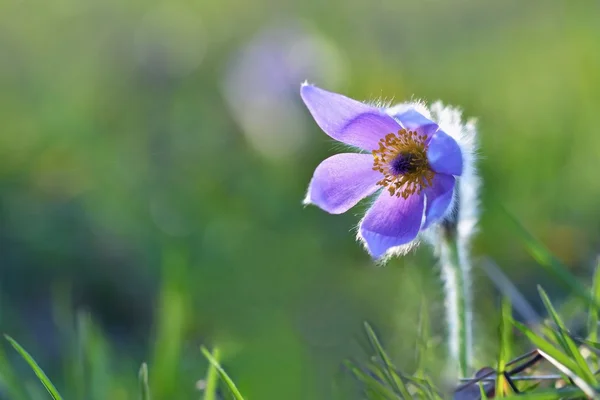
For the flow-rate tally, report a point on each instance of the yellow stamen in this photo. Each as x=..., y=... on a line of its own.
x=415, y=174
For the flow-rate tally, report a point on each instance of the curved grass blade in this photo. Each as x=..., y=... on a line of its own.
x=567, y=343
x=547, y=347
x=232, y=388
x=35, y=367
x=212, y=376
x=592, y=323
x=482, y=393
x=143, y=378
x=373, y=386
x=547, y=260
x=577, y=380
x=502, y=387
x=394, y=380
x=424, y=386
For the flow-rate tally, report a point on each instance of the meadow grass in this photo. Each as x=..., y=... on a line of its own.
x=555, y=362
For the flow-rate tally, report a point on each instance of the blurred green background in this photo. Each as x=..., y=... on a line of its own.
x=154, y=155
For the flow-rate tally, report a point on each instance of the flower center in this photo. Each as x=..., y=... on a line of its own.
x=402, y=159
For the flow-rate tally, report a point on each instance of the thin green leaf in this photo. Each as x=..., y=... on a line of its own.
x=592, y=323
x=212, y=376
x=434, y=395
x=577, y=380
x=482, y=392
x=547, y=347
x=143, y=379
x=555, y=317
x=232, y=388
x=172, y=313
x=550, y=333
x=539, y=252
x=418, y=383
x=567, y=343
x=393, y=379
x=372, y=385
x=504, y=353
x=36, y=368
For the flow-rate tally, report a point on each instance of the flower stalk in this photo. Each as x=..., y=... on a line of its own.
x=452, y=240
x=455, y=273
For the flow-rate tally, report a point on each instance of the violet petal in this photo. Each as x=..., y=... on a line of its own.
x=412, y=120
x=444, y=154
x=348, y=120
x=439, y=197
x=341, y=181
x=391, y=221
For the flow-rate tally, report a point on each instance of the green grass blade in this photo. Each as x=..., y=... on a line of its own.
x=172, y=315
x=557, y=358
x=558, y=335
x=592, y=323
x=379, y=375
x=482, y=393
x=567, y=343
x=212, y=376
x=391, y=375
x=584, y=386
x=549, y=333
x=232, y=388
x=372, y=385
x=143, y=379
x=547, y=260
x=423, y=386
x=36, y=368
x=504, y=351
x=547, y=347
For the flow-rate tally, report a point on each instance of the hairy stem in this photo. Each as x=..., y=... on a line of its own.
x=455, y=272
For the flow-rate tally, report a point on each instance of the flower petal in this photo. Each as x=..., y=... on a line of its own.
x=348, y=120
x=341, y=181
x=444, y=155
x=439, y=197
x=412, y=120
x=391, y=221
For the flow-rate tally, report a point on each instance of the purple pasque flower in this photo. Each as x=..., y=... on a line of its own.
x=408, y=155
